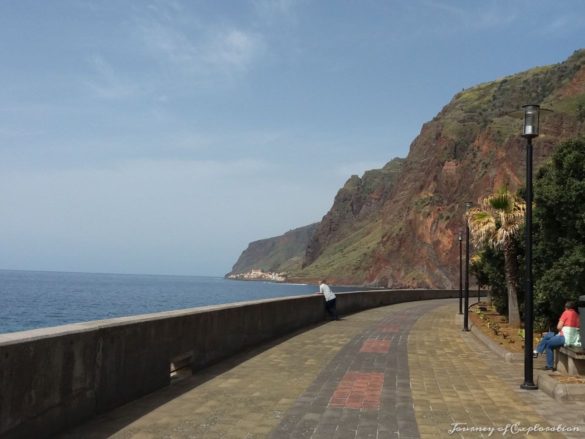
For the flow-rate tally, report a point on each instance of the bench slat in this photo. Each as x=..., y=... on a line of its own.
x=576, y=353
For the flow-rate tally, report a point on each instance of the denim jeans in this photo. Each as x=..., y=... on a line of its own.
x=549, y=342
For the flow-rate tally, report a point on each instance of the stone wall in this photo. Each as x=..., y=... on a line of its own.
x=55, y=378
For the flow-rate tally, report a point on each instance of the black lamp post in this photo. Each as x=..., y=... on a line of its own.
x=530, y=131
x=466, y=305
x=478, y=283
x=460, y=273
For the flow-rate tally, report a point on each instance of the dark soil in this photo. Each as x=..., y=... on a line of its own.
x=496, y=327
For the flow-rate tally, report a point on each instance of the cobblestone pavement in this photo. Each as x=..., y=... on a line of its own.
x=401, y=371
x=458, y=383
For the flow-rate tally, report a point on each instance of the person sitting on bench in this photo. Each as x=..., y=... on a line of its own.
x=568, y=335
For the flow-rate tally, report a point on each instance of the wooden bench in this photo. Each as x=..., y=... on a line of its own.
x=570, y=360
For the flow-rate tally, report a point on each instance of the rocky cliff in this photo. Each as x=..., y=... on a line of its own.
x=398, y=226
x=279, y=254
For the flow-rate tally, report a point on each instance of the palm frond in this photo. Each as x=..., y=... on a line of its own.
x=481, y=226
x=498, y=221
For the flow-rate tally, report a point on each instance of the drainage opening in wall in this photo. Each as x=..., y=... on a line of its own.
x=180, y=366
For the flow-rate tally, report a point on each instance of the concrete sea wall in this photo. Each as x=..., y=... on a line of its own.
x=55, y=378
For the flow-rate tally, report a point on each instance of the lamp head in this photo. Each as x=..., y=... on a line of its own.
x=531, y=121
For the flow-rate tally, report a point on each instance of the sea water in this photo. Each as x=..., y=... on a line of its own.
x=38, y=299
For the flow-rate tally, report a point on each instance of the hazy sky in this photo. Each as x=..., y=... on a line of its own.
x=162, y=136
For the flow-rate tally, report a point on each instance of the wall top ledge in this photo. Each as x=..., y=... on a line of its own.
x=95, y=325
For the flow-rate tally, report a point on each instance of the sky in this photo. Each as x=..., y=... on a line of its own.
x=163, y=136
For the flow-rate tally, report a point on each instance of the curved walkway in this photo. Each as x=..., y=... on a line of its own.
x=401, y=371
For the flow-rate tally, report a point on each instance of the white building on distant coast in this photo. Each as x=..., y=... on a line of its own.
x=258, y=274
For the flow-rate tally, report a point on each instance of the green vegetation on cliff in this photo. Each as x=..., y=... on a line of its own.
x=279, y=254
x=398, y=226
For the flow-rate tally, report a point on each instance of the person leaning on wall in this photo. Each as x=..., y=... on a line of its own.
x=330, y=299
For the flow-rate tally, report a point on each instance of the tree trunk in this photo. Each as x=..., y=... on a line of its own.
x=511, y=272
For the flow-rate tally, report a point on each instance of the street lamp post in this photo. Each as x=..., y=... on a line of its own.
x=460, y=273
x=478, y=288
x=530, y=131
x=466, y=305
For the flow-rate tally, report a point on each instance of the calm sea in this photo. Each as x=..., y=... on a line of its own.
x=37, y=299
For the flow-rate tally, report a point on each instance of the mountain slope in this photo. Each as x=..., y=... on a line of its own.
x=278, y=254
x=352, y=229
x=398, y=226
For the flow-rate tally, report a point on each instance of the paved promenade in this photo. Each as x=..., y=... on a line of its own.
x=401, y=371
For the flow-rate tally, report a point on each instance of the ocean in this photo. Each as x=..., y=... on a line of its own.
x=39, y=299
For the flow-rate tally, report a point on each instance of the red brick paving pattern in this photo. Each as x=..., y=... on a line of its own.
x=358, y=390
x=376, y=346
x=389, y=328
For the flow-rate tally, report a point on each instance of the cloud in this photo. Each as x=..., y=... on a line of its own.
x=169, y=48
x=202, y=52
x=230, y=50
x=108, y=84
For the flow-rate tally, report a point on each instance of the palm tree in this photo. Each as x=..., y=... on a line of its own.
x=477, y=268
x=496, y=224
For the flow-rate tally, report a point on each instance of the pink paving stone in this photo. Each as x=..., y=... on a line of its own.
x=389, y=328
x=375, y=345
x=337, y=402
x=365, y=390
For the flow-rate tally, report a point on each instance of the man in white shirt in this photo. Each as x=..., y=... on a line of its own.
x=330, y=299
